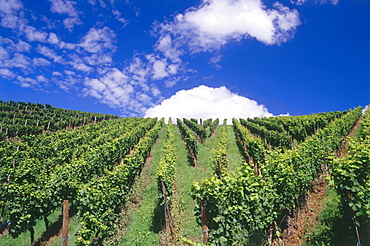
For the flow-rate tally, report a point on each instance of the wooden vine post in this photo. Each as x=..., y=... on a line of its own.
x=168, y=215
x=65, y=223
x=204, y=222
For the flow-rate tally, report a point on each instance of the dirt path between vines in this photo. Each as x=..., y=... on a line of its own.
x=315, y=203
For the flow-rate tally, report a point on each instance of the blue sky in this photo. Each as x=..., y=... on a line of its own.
x=205, y=58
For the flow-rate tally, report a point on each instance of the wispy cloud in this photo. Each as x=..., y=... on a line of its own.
x=301, y=2
x=9, y=13
x=6, y=73
x=10, y=45
x=113, y=89
x=18, y=60
x=86, y=64
x=41, y=62
x=67, y=8
x=98, y=40
x=50, y=53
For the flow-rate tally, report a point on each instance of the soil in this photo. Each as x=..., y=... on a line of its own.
x=342, y=151
x=308, y=217
x=314, y=205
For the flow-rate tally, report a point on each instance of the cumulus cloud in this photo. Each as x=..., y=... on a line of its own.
x=207, y=102
x=217, y=22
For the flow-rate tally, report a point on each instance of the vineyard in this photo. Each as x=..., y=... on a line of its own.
x=142, y=181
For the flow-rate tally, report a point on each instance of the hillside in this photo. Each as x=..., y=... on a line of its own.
x=139, y=181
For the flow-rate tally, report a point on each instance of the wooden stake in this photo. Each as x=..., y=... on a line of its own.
x=168, y=215
x=204, y=222
x=65, y=223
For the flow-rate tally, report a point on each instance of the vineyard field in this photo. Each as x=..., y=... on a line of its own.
x=141, y=181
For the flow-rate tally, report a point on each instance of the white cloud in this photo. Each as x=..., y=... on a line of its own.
x=55, y=73
x=206, y=102
x=70, y=22
x=99, y=59
x=41, y=79
x=68, y=72
x=138, y=70
x=66, y=7
x=301, y=2
x=33, y=34
x=8, y=13
x=298, y=2
x=82, y=67
x=98, y=40
x=49, y=53
x=217, y=22
x=159, y=69
x=119, y=90
x=41, y=62
x=68, y=46
x=26, y=82
x=53, y=38
x=118, y=14
x=4, y=54
x=10, y=6
x=112, y=88
x=6, y=73
x=215, y=60
x=166, y=46
x=63, y=7
x=21, y=46
x=18, y=61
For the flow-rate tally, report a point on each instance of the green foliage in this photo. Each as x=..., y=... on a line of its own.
x=219, y=153
x=190, y=140
x=19, y=119
x=199, y=130
x=85, y=166
x=333, y=227
x=291, y=172
x=99, y=201
x=351, y=177
x=166, y=168
x=252, y=147
x=274, y=138
x=238, y=206
x=246, y=204
x=301, y=127
x=207, y=123
x=39, y=174
x=213, y=126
